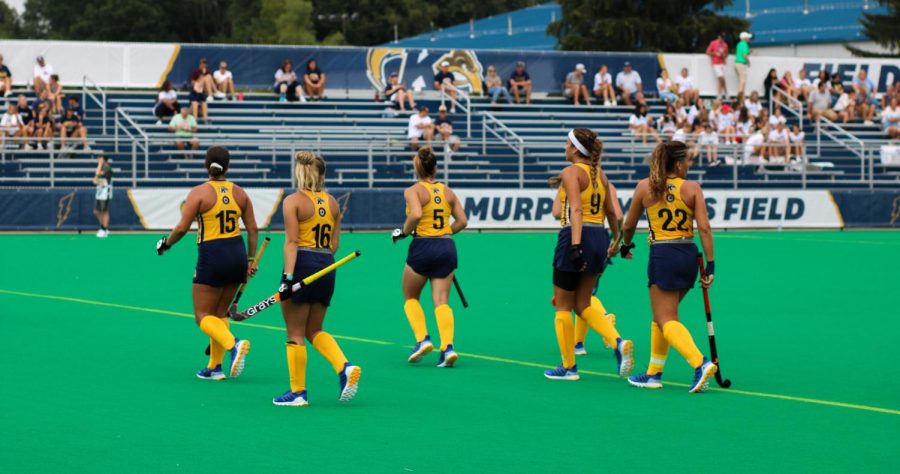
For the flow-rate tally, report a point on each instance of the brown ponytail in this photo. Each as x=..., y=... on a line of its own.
x=662, y=162
x=555, y=181
x=592, y=143
x=427, y=167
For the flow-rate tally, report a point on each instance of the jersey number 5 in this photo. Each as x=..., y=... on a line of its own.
x=227, y=221
x=323, y=235
x=667, y=214
x=438, y=219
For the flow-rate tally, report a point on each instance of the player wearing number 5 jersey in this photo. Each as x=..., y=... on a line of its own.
x=222, y=258
x=672, y=204
x=432, y=255
x=312, y=228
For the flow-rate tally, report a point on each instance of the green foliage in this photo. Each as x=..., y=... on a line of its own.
x=882, y=29
x=9, y=22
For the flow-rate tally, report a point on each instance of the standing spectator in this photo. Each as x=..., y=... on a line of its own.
x=845, y=106
x=890, y=118
x=71, y=125
x=103, y=181
x=166, y=103
x=43, y=126
x=398, y=93
x=5, y=78
x=796, y=137
x=444, y=127
x=42, y=73
x=314, y=81
x=742, y=60
x=628, y=81
x=286, y=84
x=802, y=85
x=12, y=126
x=752, y=104
x=718, y=53
x=709, y=140
x=55, y=94
x=520, y=82
x=494, y=85
x=686, y=88
x=443, y=81
x=574, y=87
x=184, y=125
x=819, y=103
x=778, y=142
x=770, y=80
x=603, y=86
x=202, y=81
x=641, y=124
x=665, y=87
x=224, y=82
x=865, y=96
x=198, y=100
x=420, y=126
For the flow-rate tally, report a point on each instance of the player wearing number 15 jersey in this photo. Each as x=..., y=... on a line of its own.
x=432, y=255
x=222, y=262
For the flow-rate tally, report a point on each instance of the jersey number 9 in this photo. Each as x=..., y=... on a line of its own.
x=227, y=221
x=323, y=235
x=667, y=214
x=438, y=219
x=595, y=203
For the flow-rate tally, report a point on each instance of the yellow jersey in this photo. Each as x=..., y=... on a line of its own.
x=435, y=220
x=316, y=231
x=592, y=200
x=670, y=218
x=221, y=220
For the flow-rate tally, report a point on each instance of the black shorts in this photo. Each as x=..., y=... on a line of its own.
x=101, y=205
x=594, y=244
x=221, y=262
x=432, y=257
x=673, y=266
x=197, y=96
x=310, y=261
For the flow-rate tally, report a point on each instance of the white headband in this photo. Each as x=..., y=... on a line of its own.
x=216, y=165
x=578, y=144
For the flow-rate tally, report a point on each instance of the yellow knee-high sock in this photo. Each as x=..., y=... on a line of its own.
x=217, y=330
x=296, y=359
x=216, y=351
x=659, y=350
x=416, y=316
x=680, y=338
x=444, y=316
x=565, y=336
x=593, y=316
x=329, y=348
x=581, y=329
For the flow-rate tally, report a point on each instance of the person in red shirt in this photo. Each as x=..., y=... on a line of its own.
x=718, y=52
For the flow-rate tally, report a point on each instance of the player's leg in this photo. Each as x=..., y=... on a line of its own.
x=443, y=314
x=564, y=285
x=206, y=299
x=597, y=320
x=664, y=305
x=412, y=287
x=348, y=374
x=295, y=318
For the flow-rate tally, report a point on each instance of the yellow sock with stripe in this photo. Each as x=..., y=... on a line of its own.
x=680, y=338
x=296, y=359
x=659, y=350
x=329, y=348
x=416, y=316
x=444, y=316
x=217, y=330
x=216, y=351
x=565, y=336
x=598, y=322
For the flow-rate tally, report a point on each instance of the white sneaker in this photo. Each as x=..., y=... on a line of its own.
x=102, y=233
x=210, y=98
x=868, y=122
x=28, y=147
x=302, y=99
x=219, y=95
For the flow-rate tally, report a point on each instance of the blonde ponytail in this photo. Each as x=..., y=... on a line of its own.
x=309, y=169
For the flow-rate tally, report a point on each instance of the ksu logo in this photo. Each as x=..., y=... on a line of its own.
x=895, y=210
x=320, y=201
x=465, y=67
x=379, y=60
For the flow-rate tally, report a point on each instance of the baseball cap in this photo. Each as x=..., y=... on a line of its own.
x=745, y=35
x=628, y=63
x=393, y=74
x=40, y=59
x=580, y=67
x=442, y=107
x=520, y=64
x=445, y=64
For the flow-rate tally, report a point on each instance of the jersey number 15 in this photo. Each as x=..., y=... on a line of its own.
x=227, y=221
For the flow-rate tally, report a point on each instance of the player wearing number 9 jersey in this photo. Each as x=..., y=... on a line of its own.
x=312, y=227
x=432, y=255
x=672, y=204
x=222, y=258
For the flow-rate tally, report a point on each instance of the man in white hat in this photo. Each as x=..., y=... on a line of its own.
x=443, y=81
x=742, y=60
x=574, y=87
x=42, y=73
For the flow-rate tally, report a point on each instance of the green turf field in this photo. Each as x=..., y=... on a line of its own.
x=100, y=353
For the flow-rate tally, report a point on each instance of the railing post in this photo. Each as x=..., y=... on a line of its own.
x=53, y=167
x=371, y=170
x=483, y=134
x=872, y=168
x=734, y=171
x=521, y=164
x=146, y=159
x=803, y=170
x=133, y=164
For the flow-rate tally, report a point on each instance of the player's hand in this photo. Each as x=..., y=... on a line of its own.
x=251, y=270
x=396, y=235
x=576, y=256
x=710, y=275
x=285, y=290
x=625, y=251
x=162, y=245
x=613, y=249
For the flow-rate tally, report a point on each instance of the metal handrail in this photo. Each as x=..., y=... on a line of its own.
x=798, y=112
x=466, y=108
x=488, y=118
x=853, y=139
x=85, y=93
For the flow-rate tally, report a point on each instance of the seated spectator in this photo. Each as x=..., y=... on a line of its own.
x=420, y=126
x=55, y=94
x=43, y=130
x=184, y=125
x=668, y=124
x=682, y=134
x=5, y=79
x=12, y=126
x=520, y=83
x=628, y=82
x=166, y=103
x=836, y=85
x=398, y=93
x=890, y=118
x=777, y=117
x=74, y=104
x=42, y=73
x=314, y=81
x=755, y=146
x=27, y=116
x=444, y=126
x=71, y=125
x=286, y=84
x=198, y=99
x=752, y=104
x=891, y=92
x=722, y=120
x=709, y=142
x=443, y=81
x=744, y=126
x=574, y=87
x=787, y=85
x=641, y=124
x=770, y=81
x=796, y=137
x=224, y=82
x=686, y=88
x=778, y=142
x=665, y=88
x=819, y=103
x=845, y=106
x=802, y=85
x=763, y=118
x=494, y=85
x=685, y=113
x=202, y=81
x=865, y=96
x=820, y=78
x=603, y=86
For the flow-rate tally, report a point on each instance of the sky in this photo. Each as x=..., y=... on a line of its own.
x=19, y=5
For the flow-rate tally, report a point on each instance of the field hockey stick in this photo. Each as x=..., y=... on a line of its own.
x=724, y=383
x=264, y=304
x=462, y=297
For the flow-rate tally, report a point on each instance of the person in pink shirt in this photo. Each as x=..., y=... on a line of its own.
x=718, y=52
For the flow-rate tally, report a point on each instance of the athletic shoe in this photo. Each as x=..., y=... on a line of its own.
x=562, y=373
x=701, y=376
x=210, y=98
x=579, y=349
x=238, y=357
x=219, y=95
x=349, y=378
x=624, y=356
x=291, y=399
x=100, y=233
x=420, y=349
x=646, y=381
x=211, y=374
x=282, y=98
x=612, y=318
x=448, y=357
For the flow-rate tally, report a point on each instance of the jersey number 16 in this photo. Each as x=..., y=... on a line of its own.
x=323, y=235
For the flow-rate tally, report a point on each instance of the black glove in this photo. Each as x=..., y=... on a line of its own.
x=396, y=235
x=710, y=268
x=162, y=245
x=625, y=250
x=285, y=289
x=576, y=256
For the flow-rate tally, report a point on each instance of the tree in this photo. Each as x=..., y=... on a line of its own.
x=9, y=22
x=882, y=29
x=642, y=25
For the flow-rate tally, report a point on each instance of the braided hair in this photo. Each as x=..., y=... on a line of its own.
x=662, y=162
x=592, y=143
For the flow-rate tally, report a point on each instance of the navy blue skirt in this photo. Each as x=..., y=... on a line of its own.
x=594, y=244
x=221, y=262
x=673, y=266
x=321, y=290
x=432, y=257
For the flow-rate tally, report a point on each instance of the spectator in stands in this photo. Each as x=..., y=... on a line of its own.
x=398, y=93
x=574, y=87
x=55, y=94
x=5, y=79
x=762, y=119
x=27, y=115
x=520, y=83
x=890, y=118
x=444, y=126
x=224, y=82
x=709, y=141
x=443, y=81
x=865, y=96
x=836, y=86
x=12, y=126
x=802, y=85
x=420, y=126
x=770, y=80
x=820, y=78
x=494, y=84
x=603, y=86
x=43, y=126
x=787, y=85
x=665, y=87
x=166, y=103
x=742, y=60
x=628, y=81
x=685, y=113
x=755, y=146
x=891, y=92
x=286, y=85
x=202, y=81
x=777, y=117
x=686, y=89
x=797, y=137
x=724, y=120
x=744, y=126
x=668, y=124
x=819, y=103
x=198, y=99
x=845, y=106
x=184, y=125
x=71, y=126
x=641, y=124
x=42, y=73
x=752, y=104
x=314, y=81
x=778, y=142
x=718, y=53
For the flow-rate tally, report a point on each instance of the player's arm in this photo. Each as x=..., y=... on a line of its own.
x=414, y=204
x=336, y=232
x=615, y=224
x=291, y=227
x=704, y=229
x=249, y=220
x=557, y=205
x=634, y=215
x=459, y=214
x=573, y=188
x=188, y=213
